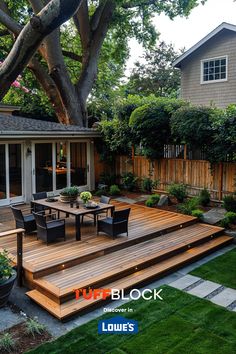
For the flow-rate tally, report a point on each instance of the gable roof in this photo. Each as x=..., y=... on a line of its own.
x=26, y=127
x=223, y=26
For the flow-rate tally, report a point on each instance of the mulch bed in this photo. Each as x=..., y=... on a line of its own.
x=23, y=340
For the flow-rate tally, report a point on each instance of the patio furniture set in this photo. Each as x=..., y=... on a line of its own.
x=50, y=226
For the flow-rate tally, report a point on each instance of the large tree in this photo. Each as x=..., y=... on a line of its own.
x=156, y=74
x=34, y=24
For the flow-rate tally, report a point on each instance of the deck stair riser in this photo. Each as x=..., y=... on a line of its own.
x=73, y=307
x=109, y=249
x=152, y=252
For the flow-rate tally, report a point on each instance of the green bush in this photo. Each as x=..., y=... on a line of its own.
x=188, y=207
x=231, y=216
x=150, y=124
x=152, y=200
x=229, y=203
x=204, y=197
x=100, y=192
x=197, y=213
x=148, y=184
x=129, y=181
x=114, y=190
x=193, y=125
x=179, y=191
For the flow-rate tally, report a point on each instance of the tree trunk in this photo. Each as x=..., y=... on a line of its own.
x=51, y=17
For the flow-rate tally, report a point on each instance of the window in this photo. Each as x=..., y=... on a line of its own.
x=214, y=70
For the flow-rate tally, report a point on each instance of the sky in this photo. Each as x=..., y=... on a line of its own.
x=185, y=32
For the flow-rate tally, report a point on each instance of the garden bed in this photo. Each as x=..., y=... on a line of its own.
x=23, y=340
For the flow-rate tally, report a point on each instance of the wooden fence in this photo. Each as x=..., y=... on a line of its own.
x=219, y=179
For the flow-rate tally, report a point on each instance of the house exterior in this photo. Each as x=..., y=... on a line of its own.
x=208, y=69
x=37, y=155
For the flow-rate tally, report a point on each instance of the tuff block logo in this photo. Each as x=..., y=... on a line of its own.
x=117, y=325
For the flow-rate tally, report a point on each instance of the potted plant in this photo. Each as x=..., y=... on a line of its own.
x=7, y=277
x=69, y=194
x=85, y=197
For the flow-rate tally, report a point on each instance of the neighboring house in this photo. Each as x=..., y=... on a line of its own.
x=208, y=69
x=8, y=109
x=37, y=155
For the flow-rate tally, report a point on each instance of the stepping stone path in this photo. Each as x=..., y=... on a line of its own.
x=206, y=289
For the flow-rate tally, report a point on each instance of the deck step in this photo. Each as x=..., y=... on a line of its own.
x=76, y=255
x=98, y=272
x=72, y=307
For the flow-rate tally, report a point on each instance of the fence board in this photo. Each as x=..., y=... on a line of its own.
x=197, y=174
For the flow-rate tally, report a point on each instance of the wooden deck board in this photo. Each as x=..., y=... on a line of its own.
x=37, y=256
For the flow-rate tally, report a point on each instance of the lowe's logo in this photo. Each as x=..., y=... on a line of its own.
x=117, y=325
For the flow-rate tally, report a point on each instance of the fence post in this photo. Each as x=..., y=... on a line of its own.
x=19, y=258
x=185, y=152
x=220, y=186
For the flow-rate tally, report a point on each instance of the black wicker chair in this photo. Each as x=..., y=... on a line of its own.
x=105, y=200
x=116, y=225
x=26, y=222
x=36, y=207
x=49, y=231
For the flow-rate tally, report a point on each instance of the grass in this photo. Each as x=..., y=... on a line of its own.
x=221, y=270
x=181, y=323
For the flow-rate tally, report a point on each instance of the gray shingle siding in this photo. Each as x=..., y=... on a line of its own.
x=220, y=94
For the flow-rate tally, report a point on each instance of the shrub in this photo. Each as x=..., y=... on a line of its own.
x=150, y=124
x=231, y=216
x=193, y=125
x=188, y=207
x=197, y=213
x=114, y=190
x=70, y=191
x=129, y=181
x=204, y=197
x=229, y=203
x=100, y=192
x=7, y=343
x=148, y=184
x=153, y=200
x=179, y=191
x=34, y=327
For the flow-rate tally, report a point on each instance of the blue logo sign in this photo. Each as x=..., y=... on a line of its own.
x=117, y=325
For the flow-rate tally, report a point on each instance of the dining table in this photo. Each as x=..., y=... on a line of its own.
x=75, y=209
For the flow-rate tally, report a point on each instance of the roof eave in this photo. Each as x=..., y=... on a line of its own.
x=222, y=26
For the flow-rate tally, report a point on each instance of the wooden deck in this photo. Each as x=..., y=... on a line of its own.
x=158, y=242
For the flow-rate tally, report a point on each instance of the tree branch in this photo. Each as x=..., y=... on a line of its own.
x=97, y=15
x=9, y=23
x=81, y=20
x=71, y=55
x=51, y=17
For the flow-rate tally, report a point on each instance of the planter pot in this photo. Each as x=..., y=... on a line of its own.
x=5, y=289
x=68, y=199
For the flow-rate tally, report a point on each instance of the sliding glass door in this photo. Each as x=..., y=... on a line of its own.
x=11, y=173
x=60, y=164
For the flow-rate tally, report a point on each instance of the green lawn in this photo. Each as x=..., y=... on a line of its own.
x=181, y=323
x=220, y=270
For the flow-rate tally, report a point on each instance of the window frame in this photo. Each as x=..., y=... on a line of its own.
x=213, y=59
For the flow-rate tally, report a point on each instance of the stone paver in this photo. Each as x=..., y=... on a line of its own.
x=126, y=200
x=9, y=318
x=225, y=298
x=185, y=281
x=214, y=215
x=204, y=289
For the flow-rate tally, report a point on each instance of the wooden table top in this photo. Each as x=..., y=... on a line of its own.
x=65, y=207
